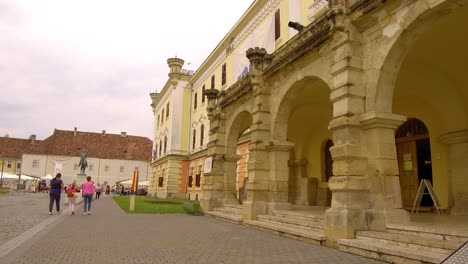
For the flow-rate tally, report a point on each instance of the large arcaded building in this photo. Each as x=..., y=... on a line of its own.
x=343, y=104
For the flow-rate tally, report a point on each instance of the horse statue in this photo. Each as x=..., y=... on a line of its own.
x=83, y=163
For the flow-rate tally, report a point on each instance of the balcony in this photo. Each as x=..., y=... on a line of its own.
x=318, y=8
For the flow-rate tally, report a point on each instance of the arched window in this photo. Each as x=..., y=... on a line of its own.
x=194, y=138
x=328, y=160
x=202, y=134
x=412, y=127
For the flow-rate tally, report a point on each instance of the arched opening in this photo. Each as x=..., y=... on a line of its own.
x=414, y=160
x=303, y=117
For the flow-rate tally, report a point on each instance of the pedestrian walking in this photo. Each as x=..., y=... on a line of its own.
x=71, y=190
x=56, y=186
x=98, y=192
x=87, y=192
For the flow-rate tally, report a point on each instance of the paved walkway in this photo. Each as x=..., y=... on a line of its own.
x=110, y=236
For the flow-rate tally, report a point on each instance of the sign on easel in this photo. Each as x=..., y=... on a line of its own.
x=425, y=183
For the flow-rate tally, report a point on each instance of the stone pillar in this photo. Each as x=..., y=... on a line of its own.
x=457, y=142
x=258, y=186
x=352, y=206
x=278, y=155
x=379, y=129
x=230, y=178
x=300, y=188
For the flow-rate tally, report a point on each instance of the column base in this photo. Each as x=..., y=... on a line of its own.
x=342, y=223
x=252, y=209
x=208, y=204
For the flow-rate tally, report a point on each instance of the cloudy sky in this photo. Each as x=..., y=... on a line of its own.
x=91, y=64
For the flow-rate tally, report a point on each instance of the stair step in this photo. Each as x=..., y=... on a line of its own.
x=422, y=231
x=233, y=218
x=289, y=231
x=389, y=253
x=292, y=222
x=298, y=216
x=408, y=241
x=231, y=210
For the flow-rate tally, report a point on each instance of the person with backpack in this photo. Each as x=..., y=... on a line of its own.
x=71, y=190
x=56, y=186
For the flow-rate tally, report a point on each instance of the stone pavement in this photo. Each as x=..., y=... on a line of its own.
x=111, y=236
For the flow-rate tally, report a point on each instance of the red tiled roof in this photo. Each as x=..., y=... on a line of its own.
x=106, y=146
x=15, y=147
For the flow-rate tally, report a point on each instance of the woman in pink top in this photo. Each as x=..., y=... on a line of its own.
x=87, y=191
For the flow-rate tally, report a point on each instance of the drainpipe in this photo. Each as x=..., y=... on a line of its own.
x=1, y=178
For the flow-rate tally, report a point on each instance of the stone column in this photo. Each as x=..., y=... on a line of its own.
x=383, y=164
x=230, y=178
x=457, y=142
x=352, y=206
x=258, y=185
x=213, y=186
x=278, y=155
x=300, y=188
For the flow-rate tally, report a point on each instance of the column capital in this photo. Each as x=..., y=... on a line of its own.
x=373, y=119
x=276, y=145
x=454, y=137
x=231, y=157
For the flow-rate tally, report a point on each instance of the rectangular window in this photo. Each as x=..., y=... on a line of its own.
x=194, y=138
x=35, y=164
x=10, y=163
x=212, y=82
x=75, y=166
x=195, y=101
x=18, y=165
x=122, y=168
x=165, y=144
x=91, y=167
x=161, y=181
x=162, y=116
x=203, y=94
x=277, y=25
x=106, y=168
x=167, y=109
x=190, y=181
x=223, y=75
x=202, y=134
x=198, y=179
x=157, y=126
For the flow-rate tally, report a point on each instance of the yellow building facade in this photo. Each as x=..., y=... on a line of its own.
x=349, y=106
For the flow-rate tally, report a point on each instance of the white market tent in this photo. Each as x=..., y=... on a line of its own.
x=128, y=183
x=16, y=177
x=47, y=177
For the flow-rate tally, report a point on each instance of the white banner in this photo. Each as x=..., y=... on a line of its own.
x=58, y=168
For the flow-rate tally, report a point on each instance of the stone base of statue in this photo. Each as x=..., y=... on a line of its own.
x=79, y=180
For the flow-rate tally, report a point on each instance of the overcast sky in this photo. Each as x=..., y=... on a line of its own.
x=91, y=64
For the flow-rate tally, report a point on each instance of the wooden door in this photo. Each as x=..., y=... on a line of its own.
x=408, y=167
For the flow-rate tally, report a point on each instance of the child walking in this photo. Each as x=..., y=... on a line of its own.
x=71, y=190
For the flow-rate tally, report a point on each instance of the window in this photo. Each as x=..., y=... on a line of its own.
x=328, y=160
x=18, y=165
x=212, y=82
x=202, y=133
x=165, y=144
x=75, y=166
x=160, y=147
x=223, y=74
x=155, y=152
x=194, y=138
x=277, y=25
x=122, y=168
x=162, y=116
x=195, y=101
x=203, y=94
x=91, y=167
x=35, y=164
x=198, y=177
x=10, y=163
x=157, y=126
x=106, y=168
x=161, y=179
x=190, y=179
x=167, y=109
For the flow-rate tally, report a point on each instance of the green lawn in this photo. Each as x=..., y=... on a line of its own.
x=152, y=205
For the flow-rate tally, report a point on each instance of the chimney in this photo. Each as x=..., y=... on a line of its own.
x=123, y=134
x=32, y=138
x=103, y=132
x=75, y=132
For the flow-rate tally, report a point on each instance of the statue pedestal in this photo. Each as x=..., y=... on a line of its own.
x=80, y=179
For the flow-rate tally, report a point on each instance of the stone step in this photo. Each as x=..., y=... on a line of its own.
x=407, y=241
x=233, y=218
x=389, y=253
x=304, y=224
x=425, y=232
x=232, y=210
x=310, y=235
x=298, y=216
x=238, y=206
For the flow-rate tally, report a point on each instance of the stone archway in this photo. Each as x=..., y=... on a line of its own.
x=423, y=77
x=302, y=119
